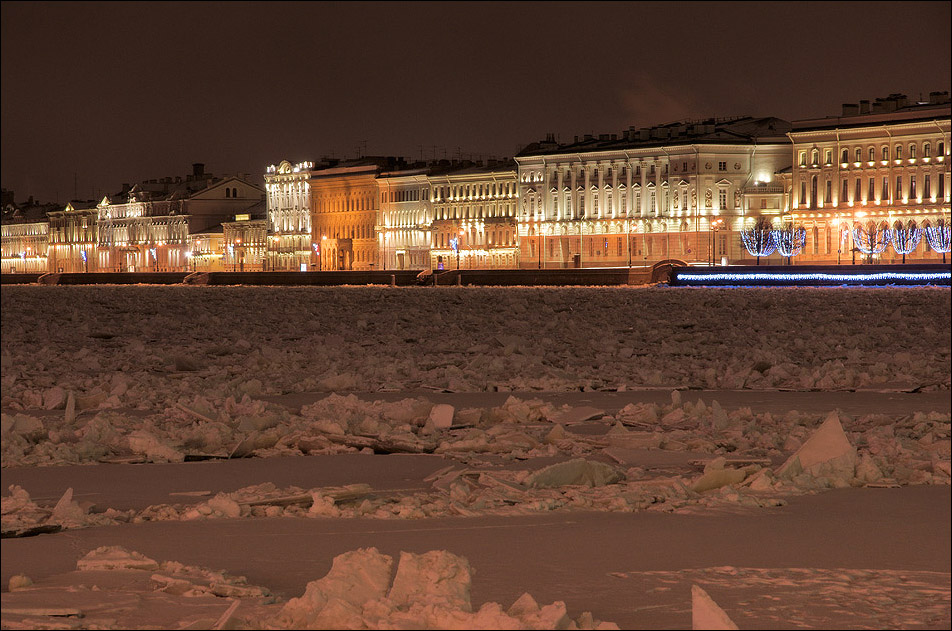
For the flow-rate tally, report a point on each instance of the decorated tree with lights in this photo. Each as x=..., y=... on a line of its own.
x=939, y=236
x=871, y=238
x=758, y=238
x=905, y=237
x=789, y=240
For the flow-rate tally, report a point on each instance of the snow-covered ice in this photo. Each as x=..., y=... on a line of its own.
x=114, y=376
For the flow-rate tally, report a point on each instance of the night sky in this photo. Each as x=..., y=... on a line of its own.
x=101, y=94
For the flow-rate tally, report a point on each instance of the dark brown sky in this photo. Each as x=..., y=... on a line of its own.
x=120, y=92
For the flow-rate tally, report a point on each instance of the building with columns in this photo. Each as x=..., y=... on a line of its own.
x=882, y=162
x=404, y=218
x=289, y=216
x=74, y=238
x=474, y=217
x=345, y=201
x=677, y=191
x=245, y=240
x=24, y=238
x=147, y=227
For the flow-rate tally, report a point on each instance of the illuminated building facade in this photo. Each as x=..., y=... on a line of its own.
x=289, y=216
x=678, y=191
x=474, y=217
x=74, y=238
x=245, y=240
x=403, y=219
x=206, y=250
x=24, y=239
x=148, y=230
x=344, y=204
x=884, y=162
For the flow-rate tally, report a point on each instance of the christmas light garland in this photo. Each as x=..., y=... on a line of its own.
x=704, y=278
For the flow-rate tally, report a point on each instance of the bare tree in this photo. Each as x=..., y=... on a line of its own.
x=939, y=236
x=871, y=238
x=905, y=237
x=758, y=238
x=789, y=240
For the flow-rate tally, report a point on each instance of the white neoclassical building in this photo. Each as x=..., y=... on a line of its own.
x=474, y=216
x=885, y=162
x=676, y=191
x=289, y=216
x=403, y=219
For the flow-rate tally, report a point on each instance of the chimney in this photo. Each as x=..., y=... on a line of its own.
x=603, y=137
x=198, y=169
x=576, y=140
x=864, y=107
x=643, y=134
x=899, y=100
x=850, y=109
x=588, y=136
x=550, y=137
x=125, y=188
x=937, y=98
x=614, y=136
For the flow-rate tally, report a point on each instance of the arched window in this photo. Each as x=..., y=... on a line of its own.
x=815, y=157
x=227, y=192
x=885, y=153
x=912, y=151
x=846, y=156
x=926, y=150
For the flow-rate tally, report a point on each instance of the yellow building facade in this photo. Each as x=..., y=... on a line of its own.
x=856, y=175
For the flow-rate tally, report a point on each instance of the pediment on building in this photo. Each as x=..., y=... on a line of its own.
x=723, y=182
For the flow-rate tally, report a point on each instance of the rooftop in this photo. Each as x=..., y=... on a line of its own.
x=734, y=130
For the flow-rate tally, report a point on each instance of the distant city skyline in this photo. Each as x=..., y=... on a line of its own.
x=97, y=94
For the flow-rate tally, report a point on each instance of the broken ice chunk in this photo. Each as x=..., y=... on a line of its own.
x=575, y=472
x=706, y=614
x=827, y=453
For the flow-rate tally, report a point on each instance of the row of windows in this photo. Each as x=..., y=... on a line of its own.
x=492, y=190
x=340, y=203
x=913, y=191
x=870, y=153
x=409, y=195
x=348, y=232
x=474, y=212
x=499, y=238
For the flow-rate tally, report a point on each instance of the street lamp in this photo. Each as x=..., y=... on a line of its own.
x=628, y=231
x=715, y=226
